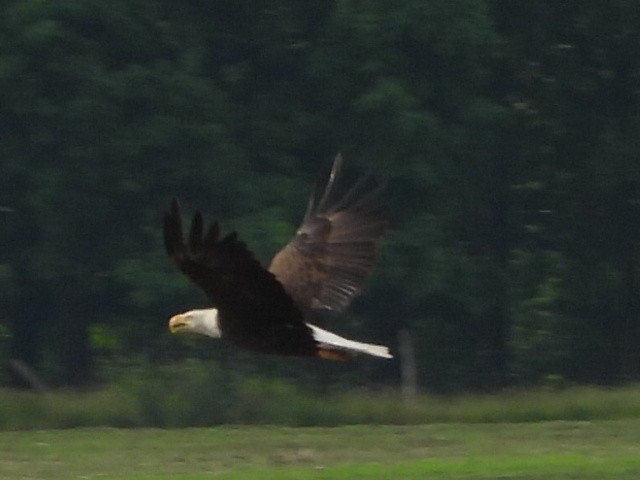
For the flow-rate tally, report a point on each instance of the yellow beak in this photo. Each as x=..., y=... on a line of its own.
x=177, y=323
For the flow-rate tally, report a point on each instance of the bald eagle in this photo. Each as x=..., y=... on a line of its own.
x=323, y=267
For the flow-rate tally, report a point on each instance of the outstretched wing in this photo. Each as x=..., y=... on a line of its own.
x=227, y=271
x=334, y=249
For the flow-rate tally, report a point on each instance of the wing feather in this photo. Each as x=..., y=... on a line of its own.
x=228, y=273
x=334, y=249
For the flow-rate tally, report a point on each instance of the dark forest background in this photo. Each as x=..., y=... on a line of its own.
x=508, y=132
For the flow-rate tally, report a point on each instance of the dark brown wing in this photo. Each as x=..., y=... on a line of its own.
x=255, y=311
x=334, y=249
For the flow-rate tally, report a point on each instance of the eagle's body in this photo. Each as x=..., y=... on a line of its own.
x=263, y=310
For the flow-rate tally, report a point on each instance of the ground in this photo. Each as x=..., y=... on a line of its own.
x=540, y=450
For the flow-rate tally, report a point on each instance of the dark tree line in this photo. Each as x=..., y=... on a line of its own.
x=508, y=132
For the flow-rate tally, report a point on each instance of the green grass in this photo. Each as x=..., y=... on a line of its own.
x=545, y=450
x=257, y=401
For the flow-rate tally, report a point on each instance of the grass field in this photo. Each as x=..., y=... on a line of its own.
x=196, y=404
x=535, y=450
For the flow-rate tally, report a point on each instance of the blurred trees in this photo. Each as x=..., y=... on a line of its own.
x=507, y=131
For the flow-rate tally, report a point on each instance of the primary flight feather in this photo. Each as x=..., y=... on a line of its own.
x=323, y=267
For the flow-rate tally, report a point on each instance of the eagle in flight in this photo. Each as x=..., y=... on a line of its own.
x=323, y=267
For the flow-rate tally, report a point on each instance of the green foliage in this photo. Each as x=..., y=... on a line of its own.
x=195, y=394
x=508, y=132
x=67, y=409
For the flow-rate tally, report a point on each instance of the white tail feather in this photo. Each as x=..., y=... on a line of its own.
x=331, y=340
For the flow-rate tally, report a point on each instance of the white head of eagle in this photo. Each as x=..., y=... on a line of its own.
x=203, y=321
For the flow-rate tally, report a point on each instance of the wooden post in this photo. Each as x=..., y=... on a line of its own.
x=28, y=374
x=408, y=369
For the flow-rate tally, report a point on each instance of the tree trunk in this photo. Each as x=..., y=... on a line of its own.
x=27, y=316
x=72, y=338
